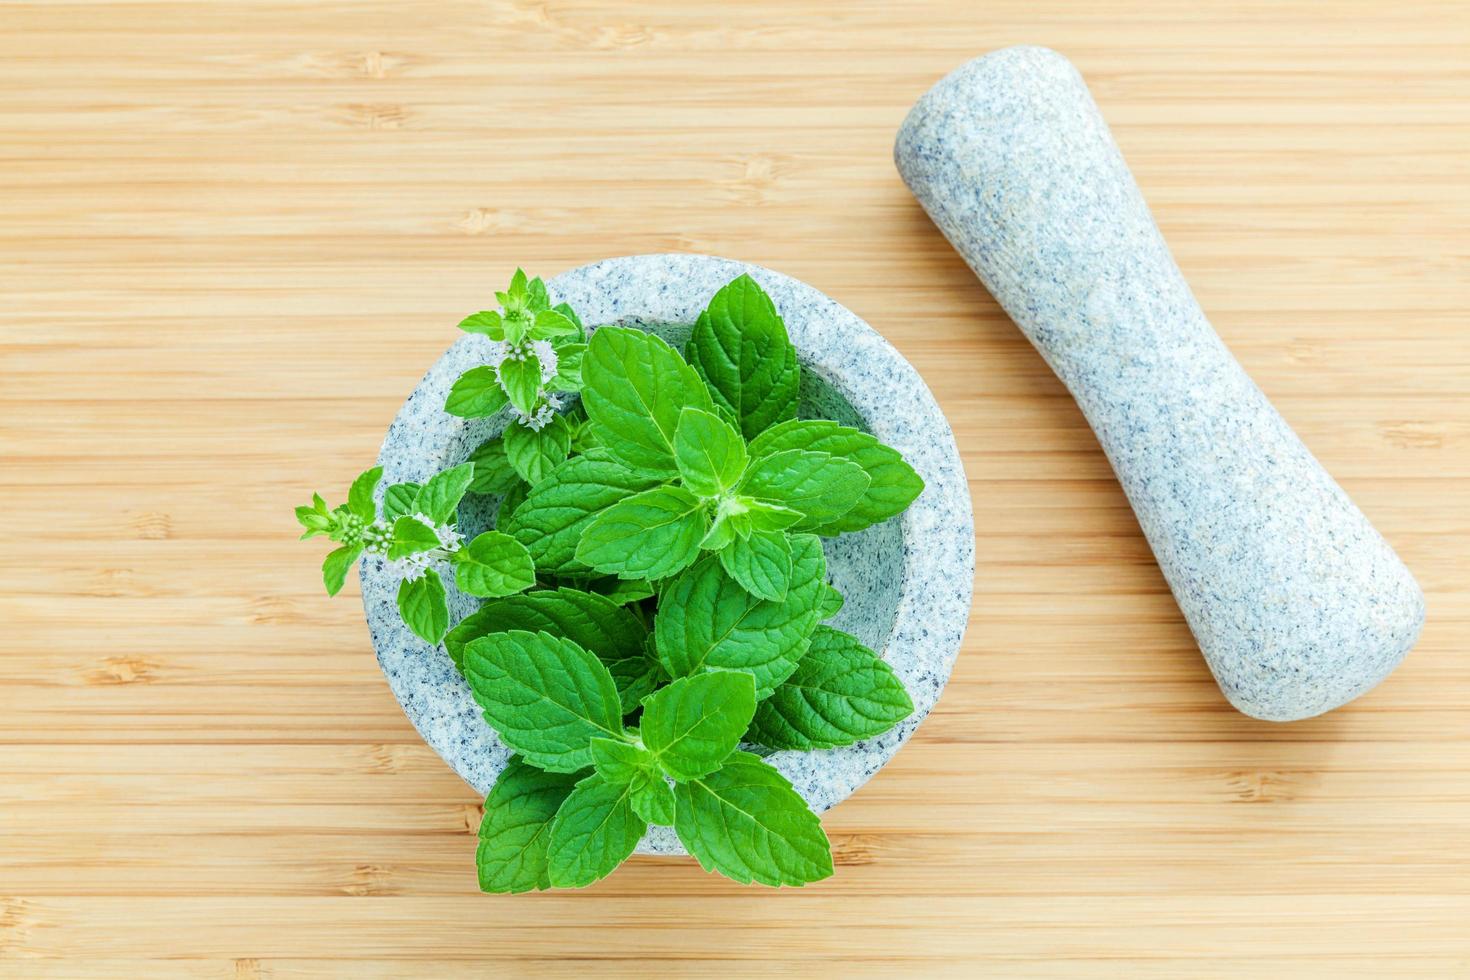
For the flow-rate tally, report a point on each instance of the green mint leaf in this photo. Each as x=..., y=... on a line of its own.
x=585, y=438
x=476, y=394
x=746, y=822
x=592, y=621
x=516, y=828
x=536, y=296
x=761, y=564
x=424, y=607
x=439, y=499
x=485, y=322
x=336, y=565
x=830, y=602
x=565, y=309
x=568, y=368
x=707, y=619
x=513, y=498
x=740, y=347
x=652, y=798
x=624, y=591
x=893, y=483
x=410, y=537
x=520, y=376
x=762, y=515
x=821, y=486
x=399, y=500
x=545, y=696
x=594, y=831
x=634, y=387
x=721, y=533
x=315, y=518
x=650, y=535
x=694, y=724
x=840, y=693
x=550, y=324
x=535, y=453
x=556, y=511
x=360, y=497
x=493, y=472
x=709, y=453
x=617, y=761
x=494, y=565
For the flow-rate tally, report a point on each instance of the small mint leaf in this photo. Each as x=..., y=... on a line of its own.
x=594, y=831
x=546, y=697
x=516, y=828
x=761, y=564
x=410, y=537
x=360, y=497
x=399, y=500
x=650, y=535
x=550, y=324
x=493, y=472
x=740, y=347
x=476, y=394
x=336, y=565
x=746, y=822
x=439, y=499
x=494, y=565
x=652, y=799
x=534, y=453
x=693, y=724
x=617, y=761
x=424, y=606
x=709, y=453
x=830, y=603
x=520, y=376
x=485, y=322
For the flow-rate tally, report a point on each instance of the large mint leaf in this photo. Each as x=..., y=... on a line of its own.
x=634, y=387
x=648, y=536
x=761, y=563
x=707, y=619
x=840, y=693
x=439, y=498
x=746, y=822
x=592, y=621
x=549, y=522
x=546, y=697
x=494, y=564
x=821, y=486
x=893, y=484
x=424, y=606
x=476, y=394
x=534, y=453
x=516, y=828
x=739, y=345
x=594, y=831
x=709, y=453
x=693, y=724
x=360, y=496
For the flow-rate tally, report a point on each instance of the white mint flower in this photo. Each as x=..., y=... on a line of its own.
x=546, y=354
x=449, y=538
x=499, y=351
x=538, y=419
x=410, y=569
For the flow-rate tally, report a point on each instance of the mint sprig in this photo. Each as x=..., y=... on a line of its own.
x=652, y=590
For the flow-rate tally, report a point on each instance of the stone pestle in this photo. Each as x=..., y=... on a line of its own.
x=1297, y=603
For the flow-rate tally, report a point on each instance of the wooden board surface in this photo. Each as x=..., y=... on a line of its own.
x=234, y=234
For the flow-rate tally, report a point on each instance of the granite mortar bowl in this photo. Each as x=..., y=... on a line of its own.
x=907, y=581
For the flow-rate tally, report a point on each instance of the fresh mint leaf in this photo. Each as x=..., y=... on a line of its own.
x=568, y=368
x=840, y=693
x=821, y=486
x=721, y=533
x=830, y=602
x=556, y=511
x=709, y=453
x=893, y=483
x=740, y=347
x=360, y=497
x=565, y=309
x=439, y=499
x=746, y=822
x=761, y=564
x=424, y=606
x=692, y=725
x=398, y=500
x=594, y=831
x=552, y=323
x=485, y=322
x=512, y=499
x=494, y=564
x=624, y=591
x=634, y=387
x=617, y=761
x=520, y=376
x=534, y=453
x=650, y=535
x=336, y=565
x=762, y=515
x=637, y=677
x=536, y=296
x=546, y=697
x=476, y=394
x=493, y=472
x=410, y=537
x=652, y=798
x=707, y=619
x=516, y=828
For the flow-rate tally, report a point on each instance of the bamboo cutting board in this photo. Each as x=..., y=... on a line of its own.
x=234, y=234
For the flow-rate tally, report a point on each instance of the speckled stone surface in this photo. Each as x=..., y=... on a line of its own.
x=1298, y=604
x=907, y=582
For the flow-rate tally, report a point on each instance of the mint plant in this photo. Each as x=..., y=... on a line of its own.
x=655, y=589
